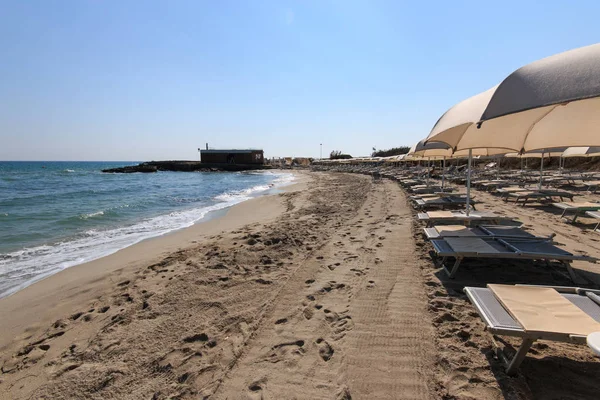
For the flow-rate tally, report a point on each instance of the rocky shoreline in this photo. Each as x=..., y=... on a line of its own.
x=184, y=166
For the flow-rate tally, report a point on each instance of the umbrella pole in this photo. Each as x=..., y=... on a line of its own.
x=469, y=182
x=498, y=168
x=443, y=171
x=541, y=171
x=428, y=170
x=521, y=163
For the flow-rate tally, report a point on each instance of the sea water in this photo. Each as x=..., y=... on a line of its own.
x=54, y=215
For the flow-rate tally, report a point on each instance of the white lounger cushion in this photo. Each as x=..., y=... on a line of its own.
x=543, y=310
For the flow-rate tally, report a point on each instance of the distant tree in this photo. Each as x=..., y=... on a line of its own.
x=338, y=155
x=396, y=151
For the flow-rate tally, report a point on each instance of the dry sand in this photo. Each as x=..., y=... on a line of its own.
x=308, y=294
x=327, y=291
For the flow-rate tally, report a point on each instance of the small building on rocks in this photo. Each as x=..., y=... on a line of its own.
x=232, y=156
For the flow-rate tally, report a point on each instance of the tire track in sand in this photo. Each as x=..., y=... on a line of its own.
x=390, y=347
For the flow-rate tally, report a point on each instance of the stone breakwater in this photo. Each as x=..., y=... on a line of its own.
x=184, y=166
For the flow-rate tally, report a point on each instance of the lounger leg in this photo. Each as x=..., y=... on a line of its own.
x=563, y=213
x=513, y=364
x=570, y=271
x=597, y=225
x=574, y=217
x=452, y=273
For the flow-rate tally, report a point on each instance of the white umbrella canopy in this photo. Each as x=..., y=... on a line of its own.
x=432, y=149
x=582, y=152
x=550, y=103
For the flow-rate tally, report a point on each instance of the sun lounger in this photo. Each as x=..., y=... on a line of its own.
x=592, y=186
x=505, y=191
x=443, y=203
x=410, y=182
x=499, y=321
x=493, y=185
x=426, y=189
x=498, y=231
x=539, y=195
x=454, y=217
x=516, y=248
x=596, y=215
x=577, y=209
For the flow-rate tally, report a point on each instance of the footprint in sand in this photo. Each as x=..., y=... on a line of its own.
x=325, y=349
x=284, y=350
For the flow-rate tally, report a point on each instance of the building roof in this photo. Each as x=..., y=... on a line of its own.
x=239, y=151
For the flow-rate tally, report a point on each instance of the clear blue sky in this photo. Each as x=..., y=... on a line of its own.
x=142, y=80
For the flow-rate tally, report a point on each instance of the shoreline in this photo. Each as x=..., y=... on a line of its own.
x=20, y=311
x=209, y=212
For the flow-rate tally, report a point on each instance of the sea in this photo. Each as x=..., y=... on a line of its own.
x=54, y=215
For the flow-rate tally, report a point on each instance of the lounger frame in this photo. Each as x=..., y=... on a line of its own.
x=499, y=322
x=444, y=251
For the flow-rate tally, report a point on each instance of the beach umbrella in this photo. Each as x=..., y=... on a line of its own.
x=455, y=123
x=556, y=152
x=435, y=150
x=581, y=152
x=550, y=103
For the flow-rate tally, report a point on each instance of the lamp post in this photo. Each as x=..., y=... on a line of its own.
x=321, y=156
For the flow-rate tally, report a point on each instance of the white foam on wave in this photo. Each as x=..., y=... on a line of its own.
x=92, y=215
x=21, y=268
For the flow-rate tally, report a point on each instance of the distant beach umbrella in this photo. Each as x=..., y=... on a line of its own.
x=555, y=152
x=581, y=152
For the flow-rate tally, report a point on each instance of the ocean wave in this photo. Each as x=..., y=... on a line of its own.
x=21, y=268
x=39, y=262
x=245, y=194
x=91, y=215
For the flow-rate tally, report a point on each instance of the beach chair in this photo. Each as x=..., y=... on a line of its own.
x=443, y=202
x=505, y=191
x=497, y=231
x=496, y=184
x=453, y=217
x=595, y=215
x=539, y=195
x=592, y=186
x=514, y=248
x=427, y=189
x=502, y=319
x=577, y=209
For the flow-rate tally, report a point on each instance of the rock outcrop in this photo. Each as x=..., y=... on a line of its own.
x=184, y=166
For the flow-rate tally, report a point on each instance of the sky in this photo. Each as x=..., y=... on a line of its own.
x=155, y=80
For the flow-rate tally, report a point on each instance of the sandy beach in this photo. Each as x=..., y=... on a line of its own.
x=327, y=290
